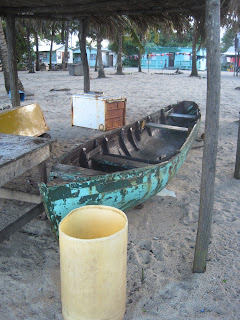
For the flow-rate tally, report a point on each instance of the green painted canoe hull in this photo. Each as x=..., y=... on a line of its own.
x=122, y=190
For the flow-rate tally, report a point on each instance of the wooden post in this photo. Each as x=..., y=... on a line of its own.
x=20, y=222
x=11, y=44
x=82, y=42
x=211, y=134
x=237, y=164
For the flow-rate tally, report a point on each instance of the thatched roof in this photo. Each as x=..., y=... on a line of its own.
x=54, y=9
x=172, y=14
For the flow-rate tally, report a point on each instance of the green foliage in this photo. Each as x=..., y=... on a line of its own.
x=228, y=39
x=128, y=47
x=57, y=38
x=171, y=39
x=21, y=46
x=21, y=42
x=131, y=42
x=130, y=63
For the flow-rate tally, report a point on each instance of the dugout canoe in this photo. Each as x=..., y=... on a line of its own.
x=124, y=167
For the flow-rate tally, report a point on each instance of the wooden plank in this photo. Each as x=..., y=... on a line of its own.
x=165, y=126
x=237, y=163
x=68, y=172
x=118, y=162
x=18, y=166
x=19, y=195
x=93, y=152
x=14, y=147
x=211, y=135
x=134, y=158
x=42, y=170
x=184, y=116
x=20, y=222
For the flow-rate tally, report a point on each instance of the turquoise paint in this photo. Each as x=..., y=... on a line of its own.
x=158, y=58
x=90, y=56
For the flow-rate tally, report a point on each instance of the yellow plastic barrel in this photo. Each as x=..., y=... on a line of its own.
x=93, y=263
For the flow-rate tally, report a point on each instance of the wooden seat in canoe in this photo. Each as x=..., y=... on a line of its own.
x=184, y=116
x=165, y=126
x=68, y=172
x=118, y=162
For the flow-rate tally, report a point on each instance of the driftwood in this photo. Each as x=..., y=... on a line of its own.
x=63, y=89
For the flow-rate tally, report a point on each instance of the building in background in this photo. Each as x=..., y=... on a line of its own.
x=108, y=56
x=230, y=59
x=172, y=58
x=57, y=54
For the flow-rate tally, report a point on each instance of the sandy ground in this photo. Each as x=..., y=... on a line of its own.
x=160, y=282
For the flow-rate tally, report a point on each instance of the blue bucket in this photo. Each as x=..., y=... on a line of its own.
x=22, y=95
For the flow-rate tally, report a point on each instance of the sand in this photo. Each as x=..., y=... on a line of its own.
x=160, y=282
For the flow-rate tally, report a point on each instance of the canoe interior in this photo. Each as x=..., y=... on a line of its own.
x=152, y=140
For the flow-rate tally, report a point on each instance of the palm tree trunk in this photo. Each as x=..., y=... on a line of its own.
x=119, y=58
x=12, y=61
x=96, y=62
x=37, y=52
x=4, y=58
x=101, y=73
x=65, y=56
x=5, y=62
x=51, y=46
x=140, y=55
x=194, y=72
x=83, y=23
x=30, y=62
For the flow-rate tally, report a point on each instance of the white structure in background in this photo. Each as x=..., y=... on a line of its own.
x=57, y=53
x=229, y=59
x=109, y=57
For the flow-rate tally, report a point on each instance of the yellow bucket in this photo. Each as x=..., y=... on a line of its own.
x=93, y=263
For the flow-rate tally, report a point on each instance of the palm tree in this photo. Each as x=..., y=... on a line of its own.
x=83, y=29
x=30, y=62
x=99, y=35
x=194, y=72
x=37, y=51
x=65, y=56
x=137, y=35
x=119, y=57
x=4, y=59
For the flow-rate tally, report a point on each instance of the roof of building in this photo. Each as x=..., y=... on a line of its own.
x=230, y=51
x=93, y=50
x=46, y=48
x=170, y=50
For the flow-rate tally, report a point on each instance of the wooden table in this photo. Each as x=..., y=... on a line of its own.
x=17, y=155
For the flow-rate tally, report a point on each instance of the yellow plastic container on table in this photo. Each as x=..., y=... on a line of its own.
x=93, y=263
x=23, y=121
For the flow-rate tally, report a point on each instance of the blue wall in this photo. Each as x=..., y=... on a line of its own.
x=91, y=56
x=172, y=57
x=46, y=58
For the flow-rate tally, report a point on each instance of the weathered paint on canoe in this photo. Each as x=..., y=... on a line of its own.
x=122, y=190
